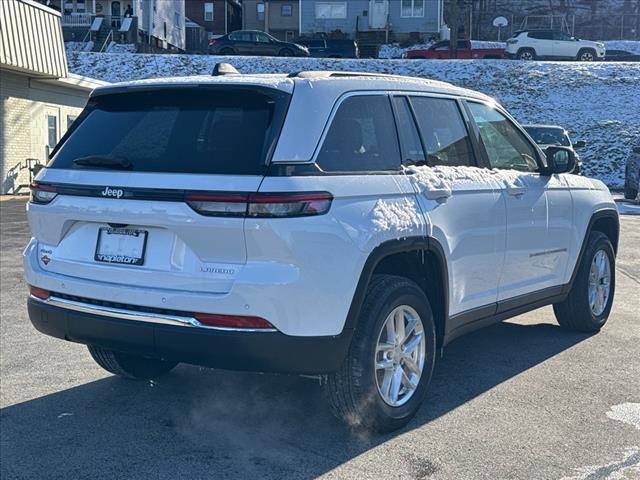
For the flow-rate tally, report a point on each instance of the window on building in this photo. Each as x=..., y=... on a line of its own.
x=331, y=10
x=287, y=10
x=362, y=137
x=412, y=8
x=52, y=131
x=260, y=11
x=70, y=120
x=208, y=12
x=177, y=20
x=81, y=6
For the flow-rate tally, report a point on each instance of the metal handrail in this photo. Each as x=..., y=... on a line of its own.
x=106, y=41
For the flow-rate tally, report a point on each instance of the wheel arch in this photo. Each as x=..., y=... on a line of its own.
x=421, y=259
x=605, y=221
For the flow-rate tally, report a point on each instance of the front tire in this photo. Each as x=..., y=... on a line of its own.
x=130, y=366
x=587, y=55
x=285, y=52
x=587, y=307
x=384, y=378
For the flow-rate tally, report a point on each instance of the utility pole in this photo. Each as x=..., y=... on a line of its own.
x=454, y=20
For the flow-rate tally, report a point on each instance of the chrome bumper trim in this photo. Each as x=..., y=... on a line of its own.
x=148, y=317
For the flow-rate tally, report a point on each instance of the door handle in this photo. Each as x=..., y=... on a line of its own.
x=437, y=194
x=516, y=191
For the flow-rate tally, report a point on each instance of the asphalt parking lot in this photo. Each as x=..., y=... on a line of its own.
x=522, y=399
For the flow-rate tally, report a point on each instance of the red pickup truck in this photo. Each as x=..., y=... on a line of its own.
x=465, y=51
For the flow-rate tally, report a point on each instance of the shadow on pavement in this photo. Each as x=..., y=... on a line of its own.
x=197, y=423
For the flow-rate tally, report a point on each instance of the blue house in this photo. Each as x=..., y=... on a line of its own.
x=383, y=20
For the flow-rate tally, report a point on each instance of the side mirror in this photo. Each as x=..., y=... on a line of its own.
x=580, y=144
x=560, y=160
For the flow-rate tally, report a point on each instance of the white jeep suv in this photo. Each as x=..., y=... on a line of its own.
x=552, y=45
x=334, y=224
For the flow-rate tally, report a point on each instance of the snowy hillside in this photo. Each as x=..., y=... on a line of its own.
x=597, y=102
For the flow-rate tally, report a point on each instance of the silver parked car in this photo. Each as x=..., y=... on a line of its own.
x=632, y=174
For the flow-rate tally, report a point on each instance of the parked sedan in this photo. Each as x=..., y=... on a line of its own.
x=550, y=135
x=254, y=42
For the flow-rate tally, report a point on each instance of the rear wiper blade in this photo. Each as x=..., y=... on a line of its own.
x=104, y=162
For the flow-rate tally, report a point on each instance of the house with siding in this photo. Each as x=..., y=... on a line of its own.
x=372, y=20
x=218, y=17
x=280, y=18
x=39, y=98
x=150, y=25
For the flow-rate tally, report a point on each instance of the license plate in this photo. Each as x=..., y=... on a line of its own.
x=121, y=245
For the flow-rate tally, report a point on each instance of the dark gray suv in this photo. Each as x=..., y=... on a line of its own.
x=255, y=42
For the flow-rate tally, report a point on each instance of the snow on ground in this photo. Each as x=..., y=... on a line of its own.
x=596, y=102
x=394, y=50
x=78, y=46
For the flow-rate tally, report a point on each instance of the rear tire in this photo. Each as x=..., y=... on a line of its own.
x=630, y=193
x=579, y=312
x=381, y=354
x=130, y=366
x=587, y=55
x=526, y=54
x=227, y=51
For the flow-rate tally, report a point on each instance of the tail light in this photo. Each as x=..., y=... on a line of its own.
x=42, y=194
x=261, y=205
x=40, y=293
x=233, y=321
x=512, y=41
x=212, y=42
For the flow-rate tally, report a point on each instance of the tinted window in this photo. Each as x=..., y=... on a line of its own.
x=183, y=131
x=241, y=36
x=541, y=35
x=362, y=137
x=562, y=36
x=409, y=139
x=444, y=45
x=506, y=146
x=548, y=136
x=262, y=38
x=443, y=131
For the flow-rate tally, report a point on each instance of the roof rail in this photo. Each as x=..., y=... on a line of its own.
x=222, y=69
x=330, y=74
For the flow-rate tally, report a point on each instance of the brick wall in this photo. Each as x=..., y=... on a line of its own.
x=24, y=104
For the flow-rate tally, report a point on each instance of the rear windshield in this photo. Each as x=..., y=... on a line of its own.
x=198, y=130
x=548, y=136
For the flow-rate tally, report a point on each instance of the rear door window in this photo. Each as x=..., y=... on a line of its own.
x=410, y=143
x=443, y=131
x=178, y=131
x=362, y=137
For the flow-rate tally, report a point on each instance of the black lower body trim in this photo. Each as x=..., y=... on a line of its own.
x=232, y=350
x=480, y=317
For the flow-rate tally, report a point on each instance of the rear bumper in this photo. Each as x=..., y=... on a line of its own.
x=270, y=351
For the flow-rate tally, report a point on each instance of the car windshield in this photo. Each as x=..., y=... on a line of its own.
x=208, y=131
x=549, y=136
